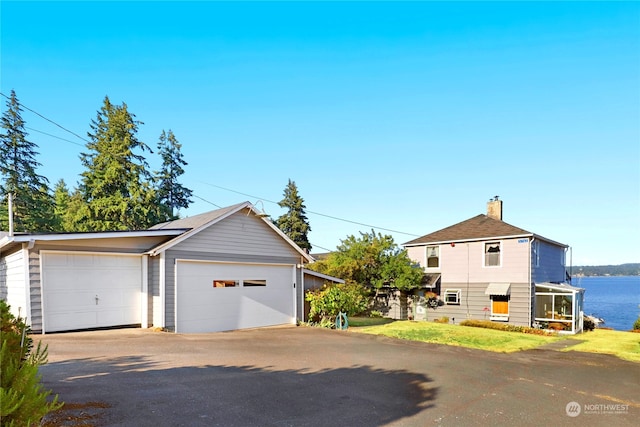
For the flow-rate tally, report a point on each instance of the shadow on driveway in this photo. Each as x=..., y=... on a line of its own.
x=135, y=390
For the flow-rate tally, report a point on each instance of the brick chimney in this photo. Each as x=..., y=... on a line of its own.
x=494, y=208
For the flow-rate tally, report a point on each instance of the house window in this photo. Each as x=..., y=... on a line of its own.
x=433, y=256
x=500, y=307
x=452, y=296
x=492, y=254
x=254, y=282
x=225, y=283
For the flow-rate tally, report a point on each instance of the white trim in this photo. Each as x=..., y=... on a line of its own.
x=295, y=303
x=27, y=282
x=77, y=252
x=85, y=236
x=484, y=253
x=458, y=293
x=162, y=288
x=144, y=309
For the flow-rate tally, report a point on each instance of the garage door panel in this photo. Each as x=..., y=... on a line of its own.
x=72, y=282
x=202, y=307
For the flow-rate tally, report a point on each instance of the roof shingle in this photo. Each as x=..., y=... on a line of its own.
x=477, y=228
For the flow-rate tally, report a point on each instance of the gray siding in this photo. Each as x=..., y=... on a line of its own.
x=238, y=238
x=239, y=234
x=473, y=301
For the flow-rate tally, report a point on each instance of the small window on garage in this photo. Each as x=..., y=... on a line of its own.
x=225, y=283
x=452, y=296
x=254, y=282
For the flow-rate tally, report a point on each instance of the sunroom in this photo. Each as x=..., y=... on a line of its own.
x=559, y=306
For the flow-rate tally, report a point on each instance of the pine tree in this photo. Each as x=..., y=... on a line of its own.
x=116, y=183
x=171, y=194
x=32, y=202
x=294, y=222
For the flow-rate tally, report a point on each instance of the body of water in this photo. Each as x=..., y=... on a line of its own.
x=616, y=299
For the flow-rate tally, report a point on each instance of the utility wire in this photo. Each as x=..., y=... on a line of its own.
x=49, y=120
x=205, y=200
x=54, y=136
x=314, y=213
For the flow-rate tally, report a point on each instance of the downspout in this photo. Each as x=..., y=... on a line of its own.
x=144, y=308
x=532, y=289
x=302, y=290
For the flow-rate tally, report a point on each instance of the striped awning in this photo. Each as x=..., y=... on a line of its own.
x=498, y=289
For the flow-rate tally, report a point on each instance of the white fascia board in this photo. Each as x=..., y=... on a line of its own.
x=479, y=239
x=185, y=235
x=24, y=238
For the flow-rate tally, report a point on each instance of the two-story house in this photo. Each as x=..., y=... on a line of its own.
x=484, y=268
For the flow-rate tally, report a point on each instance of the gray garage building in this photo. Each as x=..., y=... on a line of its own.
x=222, y=270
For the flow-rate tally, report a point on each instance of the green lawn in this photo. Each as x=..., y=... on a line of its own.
x=625, y=345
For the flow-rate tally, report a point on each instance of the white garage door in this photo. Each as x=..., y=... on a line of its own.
x=83, y=291
x=213, y=297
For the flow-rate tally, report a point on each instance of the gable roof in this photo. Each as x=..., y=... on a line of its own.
x=197, y=223
x=481, y=227
x=199, y=220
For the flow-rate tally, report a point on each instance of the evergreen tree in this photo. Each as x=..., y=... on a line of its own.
x=294, y=222
x=32, y=203
x=171, y=194
x=116, y=183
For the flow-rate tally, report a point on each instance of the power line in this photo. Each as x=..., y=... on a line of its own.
x=205, y=200
x=315, y=213
x=54, y=136
x=49, y=120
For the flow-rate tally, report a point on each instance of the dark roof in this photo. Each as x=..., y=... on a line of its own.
x=196, y=221
x=477, y=228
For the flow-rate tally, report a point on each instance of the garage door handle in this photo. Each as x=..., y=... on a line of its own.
x=97, y=299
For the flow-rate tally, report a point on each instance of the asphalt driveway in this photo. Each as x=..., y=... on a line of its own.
x=297, y=376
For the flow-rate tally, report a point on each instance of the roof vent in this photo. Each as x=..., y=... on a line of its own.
x=494, y=208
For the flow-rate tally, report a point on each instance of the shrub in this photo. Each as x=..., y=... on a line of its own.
x=487, y=324
x=328, y=301
x=23, y=401
x=443, y=319
x=588, y=324
x=636, y=324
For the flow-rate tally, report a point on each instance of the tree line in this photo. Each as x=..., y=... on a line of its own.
x=630, y=269
x=117, y=190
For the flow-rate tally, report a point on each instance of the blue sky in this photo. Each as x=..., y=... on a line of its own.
x=404, y=116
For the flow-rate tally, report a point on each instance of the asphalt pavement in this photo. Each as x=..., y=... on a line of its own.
x=300, y=376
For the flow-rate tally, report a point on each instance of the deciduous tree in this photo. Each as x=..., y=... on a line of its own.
x=374, y=261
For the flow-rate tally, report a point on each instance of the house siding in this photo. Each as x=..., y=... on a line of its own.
x=239, y=238
x=12, y=286
x=550, y=265
x=462, y=267
x=465, y=262
x=473, y=302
